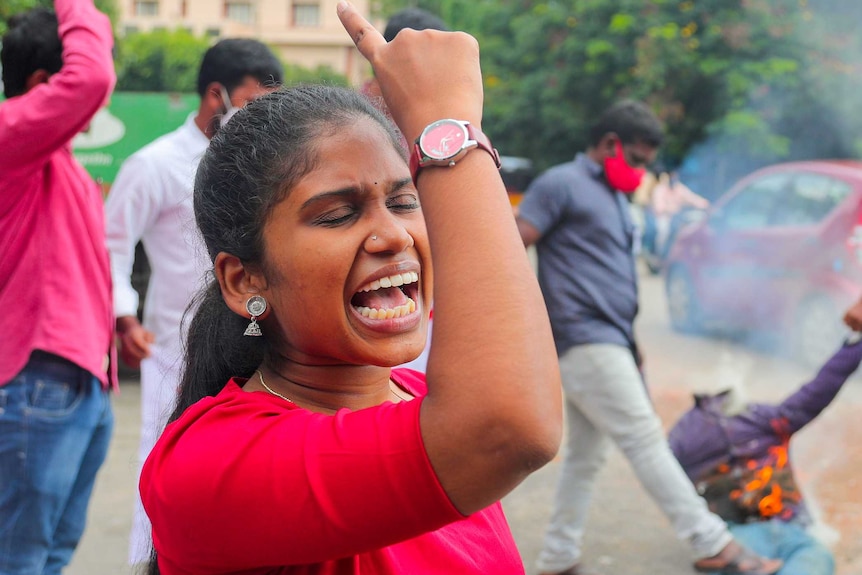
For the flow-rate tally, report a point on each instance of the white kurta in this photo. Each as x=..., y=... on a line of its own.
x=151, y=201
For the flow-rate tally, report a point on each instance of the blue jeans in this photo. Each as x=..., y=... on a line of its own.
x=802, y=554
x=55, y=426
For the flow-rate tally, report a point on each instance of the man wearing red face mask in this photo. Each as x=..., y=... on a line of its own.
x=577, y=215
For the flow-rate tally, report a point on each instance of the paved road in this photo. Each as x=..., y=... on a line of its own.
x=626, y=533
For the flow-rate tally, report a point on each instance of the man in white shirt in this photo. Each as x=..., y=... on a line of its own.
x=151, y=202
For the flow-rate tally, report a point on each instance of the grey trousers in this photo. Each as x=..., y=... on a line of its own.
x=606, y=400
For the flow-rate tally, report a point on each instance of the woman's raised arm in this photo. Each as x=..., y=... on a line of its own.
x=493, y=411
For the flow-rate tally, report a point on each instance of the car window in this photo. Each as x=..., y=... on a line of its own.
x=752, y=207
x=809, y=199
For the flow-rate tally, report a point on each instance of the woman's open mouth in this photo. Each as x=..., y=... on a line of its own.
x=388, y=297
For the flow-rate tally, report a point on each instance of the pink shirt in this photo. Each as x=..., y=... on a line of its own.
x=247, y=483
x=55, y=283
x=669, y=198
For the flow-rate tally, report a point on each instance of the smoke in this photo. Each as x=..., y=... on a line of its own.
x=814, y=115
x=731, y=374
x=811, y=114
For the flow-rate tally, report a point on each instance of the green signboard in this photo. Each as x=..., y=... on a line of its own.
x=131, y=121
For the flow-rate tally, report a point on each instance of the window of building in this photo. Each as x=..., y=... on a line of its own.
x=242, y=12
x=213, y=32
x=146, y=8
x=306, y=13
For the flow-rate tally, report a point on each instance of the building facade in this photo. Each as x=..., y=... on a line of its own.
x=305, y=32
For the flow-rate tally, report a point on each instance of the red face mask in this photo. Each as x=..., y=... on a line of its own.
x=620, y=175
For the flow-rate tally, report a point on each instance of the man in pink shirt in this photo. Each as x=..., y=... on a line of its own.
x=668, y=198
x=55, y=287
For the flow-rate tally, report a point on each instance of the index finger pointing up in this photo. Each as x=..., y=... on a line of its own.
x=364, y=35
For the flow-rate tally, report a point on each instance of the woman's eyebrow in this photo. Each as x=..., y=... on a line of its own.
x=394, y=187
x=398, y=185
x=323, y=196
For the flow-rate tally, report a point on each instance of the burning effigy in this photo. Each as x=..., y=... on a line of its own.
x=737, y=454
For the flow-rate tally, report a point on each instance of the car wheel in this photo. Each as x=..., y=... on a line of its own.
x=818, y=330
x=682, y=304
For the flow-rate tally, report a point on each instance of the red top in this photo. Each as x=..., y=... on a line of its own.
x=55, y=282
x=248, y=483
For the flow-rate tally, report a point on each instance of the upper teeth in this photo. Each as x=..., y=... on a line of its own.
x=391, y=281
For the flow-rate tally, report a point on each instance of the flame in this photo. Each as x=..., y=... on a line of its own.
x=780, y=455
x=761, y=478
x=770, y=504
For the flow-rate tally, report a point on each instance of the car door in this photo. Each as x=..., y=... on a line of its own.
x=731, y=262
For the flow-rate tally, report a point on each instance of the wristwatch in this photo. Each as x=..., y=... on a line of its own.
x=445, y=142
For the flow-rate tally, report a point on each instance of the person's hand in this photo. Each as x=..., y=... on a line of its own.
x=424, y=75
x=134, y=341
x=853, y=316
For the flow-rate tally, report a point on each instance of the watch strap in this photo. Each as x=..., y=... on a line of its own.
x=483, y=142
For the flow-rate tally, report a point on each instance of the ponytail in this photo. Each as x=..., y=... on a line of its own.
x=216, y=349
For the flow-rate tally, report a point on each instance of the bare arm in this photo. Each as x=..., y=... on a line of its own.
x=691, y=199
x=529, y=234
x=493, y=411
x=34, y=125
x=135, y=340
x=853, y=316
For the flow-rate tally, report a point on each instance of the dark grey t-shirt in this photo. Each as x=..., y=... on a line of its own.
x=586, y=260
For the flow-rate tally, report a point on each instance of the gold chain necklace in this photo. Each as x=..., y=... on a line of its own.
x=269, y=389
x=397, y=392
x=392, y=388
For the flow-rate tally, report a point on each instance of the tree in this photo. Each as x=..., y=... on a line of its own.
x=159, y=61
x=165, y=60
x=746, y=77
x=294, y=74
x=168, y=61
x=701, y=69
x=11, y=7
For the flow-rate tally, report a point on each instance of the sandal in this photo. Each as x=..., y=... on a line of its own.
x=735, y=559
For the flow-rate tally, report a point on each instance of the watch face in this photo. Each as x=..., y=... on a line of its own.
x=443, y=139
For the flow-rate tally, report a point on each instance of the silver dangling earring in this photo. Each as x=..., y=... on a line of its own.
x=255, y=306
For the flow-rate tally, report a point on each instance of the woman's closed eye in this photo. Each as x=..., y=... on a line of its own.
x=406, y=202
x=337, y=216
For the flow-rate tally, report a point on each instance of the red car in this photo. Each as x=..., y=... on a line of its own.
x=782, y=250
